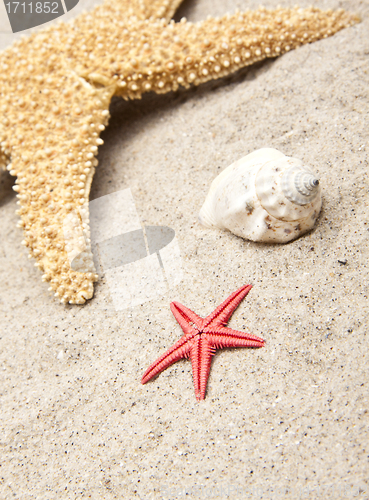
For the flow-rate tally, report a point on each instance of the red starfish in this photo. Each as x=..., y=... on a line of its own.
x=202, y=336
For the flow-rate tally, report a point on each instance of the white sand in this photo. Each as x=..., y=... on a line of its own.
x=285, y=421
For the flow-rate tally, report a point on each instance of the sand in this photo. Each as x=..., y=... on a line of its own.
x=286, y=421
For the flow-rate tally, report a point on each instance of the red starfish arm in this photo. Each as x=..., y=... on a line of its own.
x=181, y=349
x=222, y=313
x=185, y=316
x=229, y=333
x=226, y=337
x=200, y=355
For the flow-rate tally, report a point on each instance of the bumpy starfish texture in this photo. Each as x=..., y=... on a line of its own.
x=202, y=336
x=55, y=90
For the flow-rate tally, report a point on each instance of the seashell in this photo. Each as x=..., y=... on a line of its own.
x=265, y=196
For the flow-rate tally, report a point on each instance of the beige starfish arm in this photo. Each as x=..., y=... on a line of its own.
x=155, y=56
x=53, y=121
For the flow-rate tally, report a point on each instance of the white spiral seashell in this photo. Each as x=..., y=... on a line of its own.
x=265, y=196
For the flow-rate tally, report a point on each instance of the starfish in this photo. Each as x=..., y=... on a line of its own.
x=56, y=86
x=202, y=336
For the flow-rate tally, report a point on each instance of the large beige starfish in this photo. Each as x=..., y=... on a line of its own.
x=56, y=86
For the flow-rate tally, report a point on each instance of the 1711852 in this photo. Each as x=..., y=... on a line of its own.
x=39, y=7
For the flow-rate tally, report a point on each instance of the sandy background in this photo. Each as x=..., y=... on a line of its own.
x=287, y=421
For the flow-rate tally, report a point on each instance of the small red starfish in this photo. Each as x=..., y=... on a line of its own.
x=202, y=336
